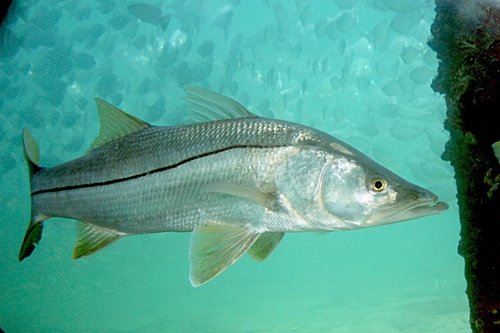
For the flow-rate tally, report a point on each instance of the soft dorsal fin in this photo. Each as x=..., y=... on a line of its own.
x=205, y=106
x=115, y=123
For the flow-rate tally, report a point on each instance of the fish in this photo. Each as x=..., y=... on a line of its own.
x=151, y=14
x=496, y=149
x=223, y=19
x=236, y=181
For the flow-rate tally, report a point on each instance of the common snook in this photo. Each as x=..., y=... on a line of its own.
x=237, y=181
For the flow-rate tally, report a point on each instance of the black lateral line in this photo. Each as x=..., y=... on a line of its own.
x=168, y=167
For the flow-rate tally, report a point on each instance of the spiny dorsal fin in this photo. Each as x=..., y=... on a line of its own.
x=115, y=123
x=216, y=246
x=205, y=106
x=91, y=239
x=265, y=245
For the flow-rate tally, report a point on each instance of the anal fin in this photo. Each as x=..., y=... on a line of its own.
x=265, y=245
x=91, y=239
x=215, y=246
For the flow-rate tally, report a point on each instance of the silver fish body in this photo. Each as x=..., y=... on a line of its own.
x=159, y=179
x=238, y=182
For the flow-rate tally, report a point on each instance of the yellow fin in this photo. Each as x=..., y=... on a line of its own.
x=265, y=245
x=35, y=227
x=91, y=239
x=31, y=238
x=115, y=123
x=31, y=153
x=216, y=246
x=205, y=105
x=262, y=198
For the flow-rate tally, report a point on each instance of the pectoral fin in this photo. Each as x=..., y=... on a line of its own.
x=265, y=199
x=92, y=239
x=265, y=245
x=216, y=246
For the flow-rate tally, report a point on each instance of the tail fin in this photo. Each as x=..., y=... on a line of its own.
x=31, y=153
x=35, y=227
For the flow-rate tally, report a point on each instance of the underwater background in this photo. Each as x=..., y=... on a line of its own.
x=359, y=70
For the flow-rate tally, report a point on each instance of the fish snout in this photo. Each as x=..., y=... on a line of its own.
x=426, y=197
x=418, y=203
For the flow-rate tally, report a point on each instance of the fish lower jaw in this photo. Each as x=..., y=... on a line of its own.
x=415, y=212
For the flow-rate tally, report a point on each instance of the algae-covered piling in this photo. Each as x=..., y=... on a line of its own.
x=466, y=37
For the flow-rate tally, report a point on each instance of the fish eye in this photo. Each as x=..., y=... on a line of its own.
x=378, y=184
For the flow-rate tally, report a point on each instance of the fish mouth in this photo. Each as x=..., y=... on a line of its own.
x=420, y=210
x=425, y=205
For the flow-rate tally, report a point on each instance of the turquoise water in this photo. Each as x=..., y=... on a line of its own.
x=359, y=70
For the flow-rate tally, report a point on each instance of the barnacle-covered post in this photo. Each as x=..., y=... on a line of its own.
x=466, y=37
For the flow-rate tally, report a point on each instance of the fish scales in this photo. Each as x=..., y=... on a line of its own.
x=155, y=148
x=237, y=181
x=172, y=199
x=160, y=171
